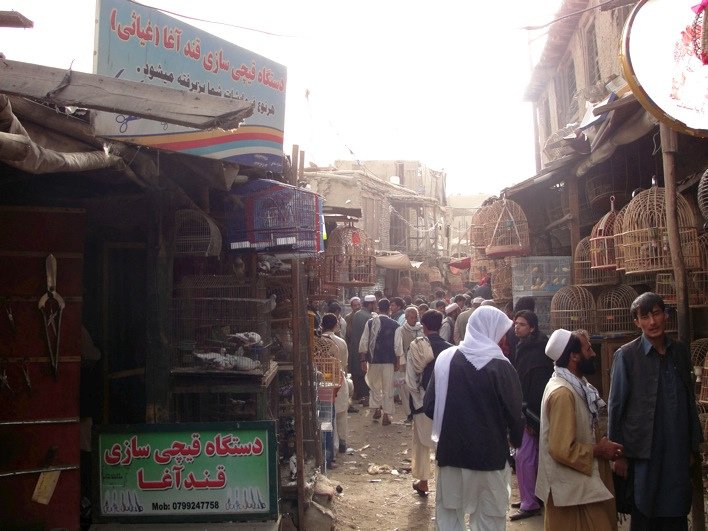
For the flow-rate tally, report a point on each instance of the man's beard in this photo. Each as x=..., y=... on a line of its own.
x=586, y=367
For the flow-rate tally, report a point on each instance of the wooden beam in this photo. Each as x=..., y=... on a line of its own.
x=571, y=188
x=597, y=111
x=69, y=88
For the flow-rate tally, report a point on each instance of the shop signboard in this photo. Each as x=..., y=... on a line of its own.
x=185, y=472
x=143, y=44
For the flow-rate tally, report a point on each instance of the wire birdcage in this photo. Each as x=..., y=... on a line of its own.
x=196, y=234
x=317, y=290
x=697, y=288
x=613, y=304
x=619, y=242
x=501, y=280
x=218, y=286
x=326, y=362
x=699, y=348
x=602, y=241
x=573, y=307
x=584, y=275
x=645, y=236
x=477, y=235
x=349, y=258
x=702, y=196
x=506, y=229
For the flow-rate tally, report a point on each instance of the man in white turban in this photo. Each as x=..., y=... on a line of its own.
x=474, y=399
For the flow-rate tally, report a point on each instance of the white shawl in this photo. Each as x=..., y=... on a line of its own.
x=486, y=327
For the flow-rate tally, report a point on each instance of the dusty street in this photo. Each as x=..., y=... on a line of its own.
x=387, y=501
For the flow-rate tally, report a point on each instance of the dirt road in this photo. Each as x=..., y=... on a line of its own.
x=387, y=501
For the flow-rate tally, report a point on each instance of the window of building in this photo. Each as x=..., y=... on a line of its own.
x=544, y=117
x=593, y=66
x=566, y=100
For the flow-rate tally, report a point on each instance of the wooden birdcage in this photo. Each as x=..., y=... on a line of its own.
x=573, y=307
x=602, y=241
x=703, y=398
x=477, y=235
x=317, y=290
x=702, y=197
x=613, y=304
x=507, y=230
x=196, y=234
x=699, y=348
x=547, y=244
x=645, y=236
x=501, y=280
x=584, y=275
x=480, y=263
x=326, y=362
x=703, y=248
x=619, y=242
x=349, y=258
x=556, y=202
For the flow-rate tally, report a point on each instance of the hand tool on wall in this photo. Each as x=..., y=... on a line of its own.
x=51, y=305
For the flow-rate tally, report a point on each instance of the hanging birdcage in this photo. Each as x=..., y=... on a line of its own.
x=619, y=242
x=501, y=280
x=349, y=258
x=326, y=362
x=196, y=234
x=702, y=197
x=317, y=290
x=645, y=236
x=507, y=230
x=480, y=264
x=584, y=275
x=477, y=235
x=613, y=315
x=573, y=307
x=602, y=241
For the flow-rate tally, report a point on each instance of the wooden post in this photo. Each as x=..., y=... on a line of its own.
x=297, y=390
x=669, y=147
x=301, y=167
x=571, y=188
x=294, y=164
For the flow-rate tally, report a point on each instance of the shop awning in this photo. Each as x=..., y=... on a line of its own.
x=463, y=263
x=396, y=261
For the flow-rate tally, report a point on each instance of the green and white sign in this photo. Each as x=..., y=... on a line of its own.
x=221, y=471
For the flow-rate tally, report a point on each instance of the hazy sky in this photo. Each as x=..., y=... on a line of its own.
x=440, y=82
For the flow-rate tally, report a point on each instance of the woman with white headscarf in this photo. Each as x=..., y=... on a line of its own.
x=474, y=399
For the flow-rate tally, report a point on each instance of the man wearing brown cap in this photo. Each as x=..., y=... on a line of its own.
x=574, y=478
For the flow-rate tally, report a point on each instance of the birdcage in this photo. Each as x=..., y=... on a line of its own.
x=703, y=248
x=703, y=345
x=546, y=244
x=645, y=236
x=501, y=280
x=506, y=229
x=641, y=279
x=480, y=263
x=349, y=258
x=613, y=315
x=213, y=332
x=556, y=202
x=477, y=235
x=584, y=275
x=317, y=290
x=602, y=241
x=196, y=234
x=697, y=288
x=699, y=348
x=619, y=242
x=573, y=307
x=702, y=197
x=324, y=356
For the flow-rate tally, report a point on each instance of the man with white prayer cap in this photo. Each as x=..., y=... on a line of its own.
x=574, y=478
x=452, y=310
x=474, y=399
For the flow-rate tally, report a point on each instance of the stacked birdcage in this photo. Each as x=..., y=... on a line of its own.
x=699, y=348
x=196, y=234
x=573, y=307
x=506, y=230
x=602, y=241
x=584, y=274
x=613, y=315
x=218, y=286
x=326, y=362
x=477, y=236
x=349, y=259
x=617, y=235
x=317, y=290
x=702, y=197
x=645, y=236
x=501, y=280
x=480, y=264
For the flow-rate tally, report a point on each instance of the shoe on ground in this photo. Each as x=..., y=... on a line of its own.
x=352, y=409
x=342, y=448
x=377, y=414
x=419, y=489
x=516, y=505
x=522, y=514
x=386, y=420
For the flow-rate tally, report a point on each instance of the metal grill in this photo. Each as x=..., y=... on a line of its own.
x=196, y=234
x=217, y=286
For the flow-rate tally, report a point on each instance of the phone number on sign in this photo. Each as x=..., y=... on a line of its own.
x=191, y=506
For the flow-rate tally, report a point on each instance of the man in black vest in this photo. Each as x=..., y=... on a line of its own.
x=379, y=361
x=652, y=412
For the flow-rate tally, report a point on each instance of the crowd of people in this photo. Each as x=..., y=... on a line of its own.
x=490, y=394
